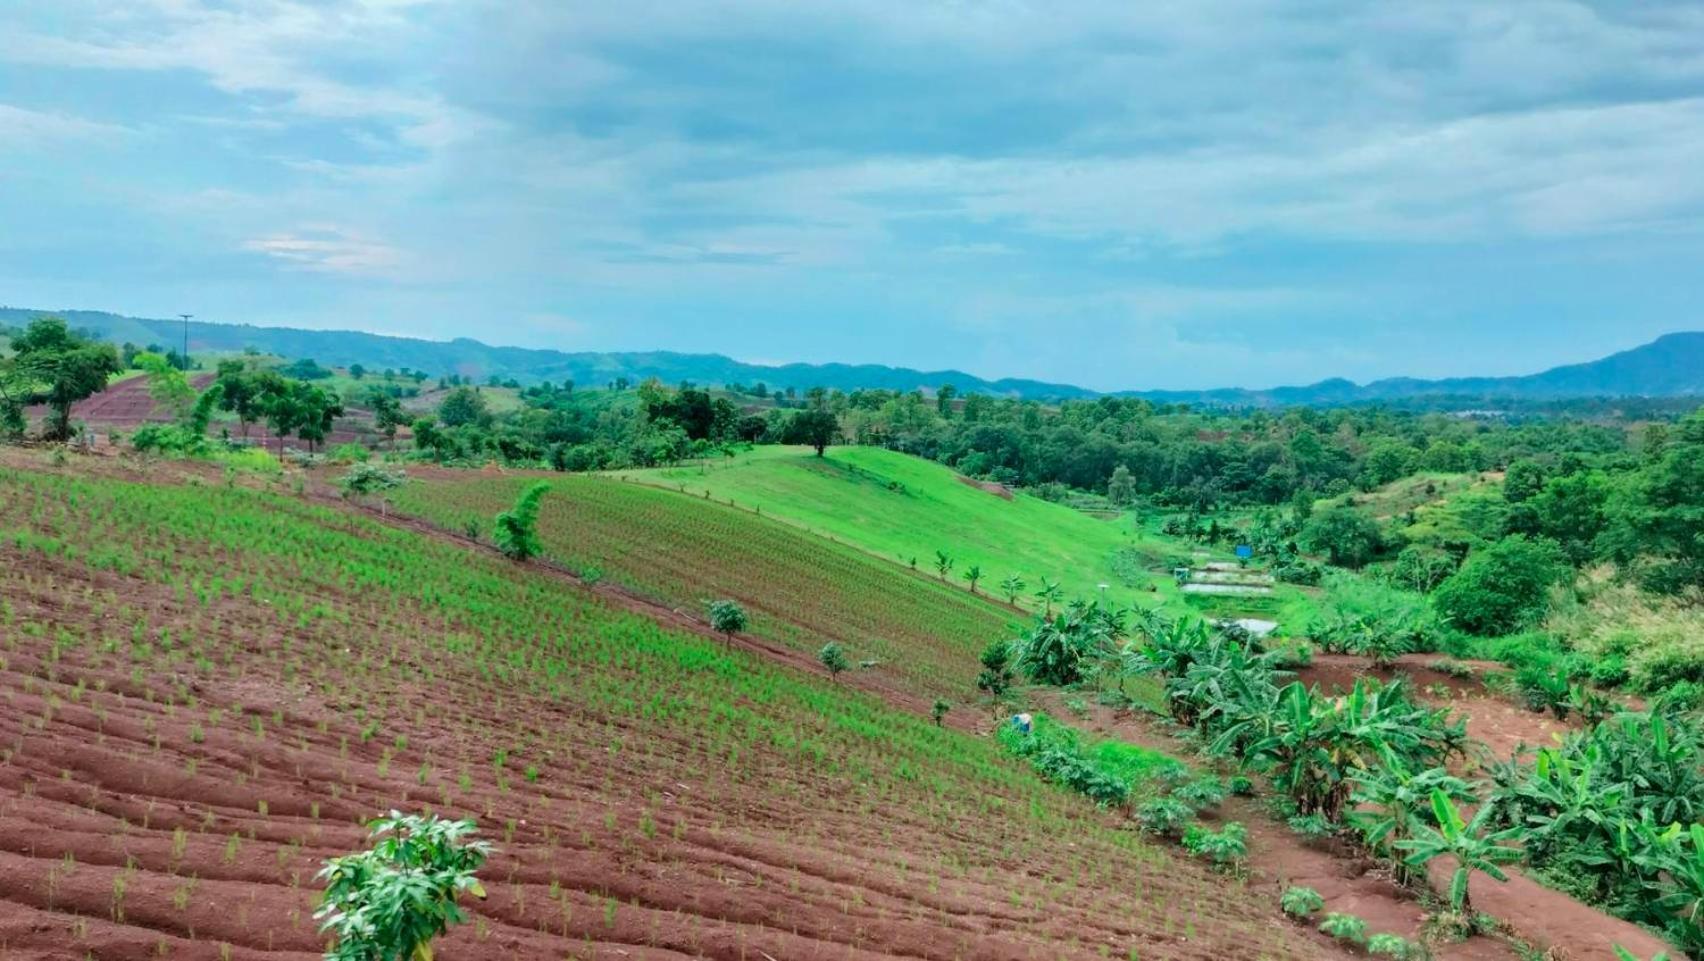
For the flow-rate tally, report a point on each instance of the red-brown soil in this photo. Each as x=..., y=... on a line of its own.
x=998, y=490
x=183, y=814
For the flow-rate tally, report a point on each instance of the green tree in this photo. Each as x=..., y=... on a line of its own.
x=1501, y=588
x=996, y=675
x=728, y=617
x=51, y=359
x=516, y=533
x=1522, y=480
x=167, y=385
x=1347, y=537
x=939, y=711
x=1049, y=594
x=1469, y=843
x=369, y=480
x=463, y=406
x=390, y=902
x=972, y=574
x=243, y=392
x=357, y=371
x=943, y=564
x=833, y=659
x=1121, y=487
x=817, y=427
x=388, y=414
x=1012, y=586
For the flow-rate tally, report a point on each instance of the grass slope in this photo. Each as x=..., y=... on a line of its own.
x=800, y=590
x=207, y=687
x=901, y=507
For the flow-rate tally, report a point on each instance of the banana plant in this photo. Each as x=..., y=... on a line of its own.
x=1392, y=800
x=1470, y=843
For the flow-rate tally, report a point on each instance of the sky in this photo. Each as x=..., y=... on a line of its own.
x=1110, y=194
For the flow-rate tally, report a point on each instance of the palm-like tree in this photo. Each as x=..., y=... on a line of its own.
x=973, y=574
x=1470, y=843
x=1012, y=586
x=1392, y=800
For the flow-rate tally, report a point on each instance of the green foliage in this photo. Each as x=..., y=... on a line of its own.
x=996, y=675
x=367, y=479
x=1163, y=816
x=1056, y=649
x=1347, y=537
x=516, y=531
x=390, y=902
x=61, y=366
x=1299, y=902
x=464, y=406
x=727, y=616
x=1226, y=848
x=1469, y=843
x=1395, y=946
x=1106, y=771
x=1012, y=586
x=939, y=710
x=1345, y=927
x=1502, y=588
x=833, y=659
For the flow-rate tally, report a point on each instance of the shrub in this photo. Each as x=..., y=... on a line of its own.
x=1299, y=902
x=1543, y=689
x=516, y=533
x=996, y=675
x=390, y=902
x=1163, y=816
x=1395, y=946
x=833, y=659
x=1201, y=793
x=1345, y=927
x=1226, y=847
x=727, y=617
x=348, y=454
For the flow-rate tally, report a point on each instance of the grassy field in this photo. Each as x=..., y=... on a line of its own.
x=904, y=509
x=800, y=590
x=207, y=688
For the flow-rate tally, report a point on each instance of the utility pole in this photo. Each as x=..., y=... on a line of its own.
x=186, y=340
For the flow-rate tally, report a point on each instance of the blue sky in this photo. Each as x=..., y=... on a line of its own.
x=1113, y=194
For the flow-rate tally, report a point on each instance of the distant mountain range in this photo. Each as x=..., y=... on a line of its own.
x=1670, y=366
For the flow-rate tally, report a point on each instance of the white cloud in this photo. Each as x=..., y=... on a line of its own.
x=328, y=249
x=19, y=126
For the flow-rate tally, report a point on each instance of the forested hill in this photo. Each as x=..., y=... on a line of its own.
x=1670, y=366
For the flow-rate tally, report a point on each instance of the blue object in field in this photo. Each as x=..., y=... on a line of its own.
x=1021, y=722
x=1244, y=551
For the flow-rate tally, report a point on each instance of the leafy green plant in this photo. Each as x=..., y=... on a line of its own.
x=939, y=710
x=833, y=659
x=1395, y=946
x=1163, y=816
x=996, y=674
x=1299, y=902
x=1344, y=927
x=1469, y=843
x=1227, y=847
x=727, y=618
x=388, y=903
x=516, y=532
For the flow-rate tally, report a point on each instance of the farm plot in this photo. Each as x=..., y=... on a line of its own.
x=802, y=591
x=207, y=688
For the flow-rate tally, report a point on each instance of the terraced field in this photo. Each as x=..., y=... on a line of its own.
x=904, y=508
x=801, y=590
x=207, y=687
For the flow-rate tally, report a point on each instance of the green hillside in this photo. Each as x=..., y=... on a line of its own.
x=904, y=508
x=802, y=591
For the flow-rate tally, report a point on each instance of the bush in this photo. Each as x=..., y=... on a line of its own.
x=1226, y=847
x=1345, y=927
x=1163, y=816
x=1503, y=587
x=391, y=901
x=996, y=675
x=516, y=533
x=1201, y=793
x=1299, y=902
x=348, y=454
x=1395, y=946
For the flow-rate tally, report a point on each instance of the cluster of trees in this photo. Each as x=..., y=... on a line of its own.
x=578, y=431
x=52, y=364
